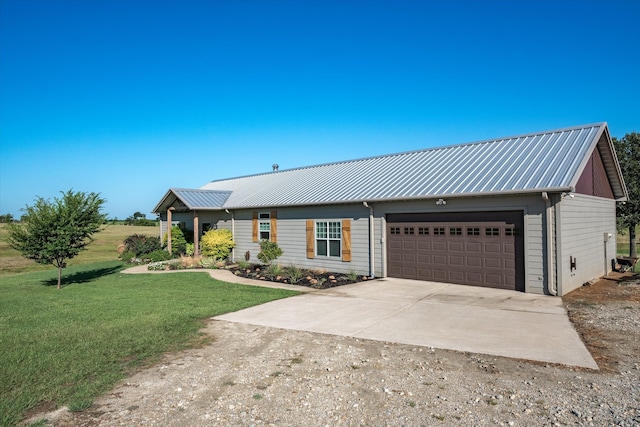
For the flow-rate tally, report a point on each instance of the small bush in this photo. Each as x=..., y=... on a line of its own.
x=217, y=243
x=293, y=273
x=274, y=271
x=141, y=244
x=159, y=255
x=242, y=264
x=127, y=256
x=190, y=249
x=157, y=266
x=208, y=262
x=178, y=241
x=269, y=251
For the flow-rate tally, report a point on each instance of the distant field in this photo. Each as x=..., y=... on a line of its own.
x=103, y=248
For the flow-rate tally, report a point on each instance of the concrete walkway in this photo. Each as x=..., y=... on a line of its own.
x=455, y=317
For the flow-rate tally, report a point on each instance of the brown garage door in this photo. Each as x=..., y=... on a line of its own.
x=480, y=248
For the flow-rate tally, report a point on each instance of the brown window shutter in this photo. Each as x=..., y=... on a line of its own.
x=346, y=240
x=274, y=226
x=311, y=251
x=254, y=227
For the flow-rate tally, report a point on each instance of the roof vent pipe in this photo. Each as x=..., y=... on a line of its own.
x=275, y=167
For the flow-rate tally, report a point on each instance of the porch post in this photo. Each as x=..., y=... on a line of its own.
x=196, y=235
x=169, y=215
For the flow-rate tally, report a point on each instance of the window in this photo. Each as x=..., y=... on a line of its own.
x=473, y=231
x=395, y=230
x=438, y=231
x=408, y=230
x=328, y=238
x=423, y=231
x=264, y=225
x=492, y=231
x=509, y=231
x=455, y=231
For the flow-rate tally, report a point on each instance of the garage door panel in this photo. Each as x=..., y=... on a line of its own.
x=456, y=246
x=439, y=246
x=455, y=260
x=484, y=252
x=473, y=247
x=492, y=263
x=495, y=248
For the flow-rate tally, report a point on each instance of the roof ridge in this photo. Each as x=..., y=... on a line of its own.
x=422, y=150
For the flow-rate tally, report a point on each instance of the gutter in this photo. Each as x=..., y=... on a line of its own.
x=372, y=259
x=550, y=260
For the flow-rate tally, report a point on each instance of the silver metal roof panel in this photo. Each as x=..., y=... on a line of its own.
x=543, y=161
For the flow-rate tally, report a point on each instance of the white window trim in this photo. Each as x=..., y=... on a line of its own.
x=328, y=239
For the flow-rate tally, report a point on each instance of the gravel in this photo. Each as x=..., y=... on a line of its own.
x=259, y=376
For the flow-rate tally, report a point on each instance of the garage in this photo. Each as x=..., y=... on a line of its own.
x=468, y=248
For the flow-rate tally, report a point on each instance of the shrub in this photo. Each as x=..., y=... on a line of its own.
x=208, y=262
x=269, y=251
x=178, y=241
x=159, y=255
x=217, y=243
x=141, y=244
x=127, y=256
x=157, y=266
x=274, y=271
x=242, y=264
x=293, y=273
x=190, y=249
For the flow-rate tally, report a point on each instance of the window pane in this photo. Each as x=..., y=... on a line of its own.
x=265, y=226
x=322, y=247
x=321, y=230
x=334, y=230
x=264, y=215
x=264, y=235
x=334, y=247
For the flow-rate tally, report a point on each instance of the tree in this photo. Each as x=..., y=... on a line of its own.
x=54, y=232
x=6, y=218
x=628, y=213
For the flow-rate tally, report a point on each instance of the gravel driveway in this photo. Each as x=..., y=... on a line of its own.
x=260, y=376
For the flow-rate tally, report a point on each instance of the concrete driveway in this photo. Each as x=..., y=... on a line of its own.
x=440, y=315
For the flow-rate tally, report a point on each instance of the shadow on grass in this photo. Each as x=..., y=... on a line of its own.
x=83, y=276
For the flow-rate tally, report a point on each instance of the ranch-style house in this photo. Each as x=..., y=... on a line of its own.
x=532, y=213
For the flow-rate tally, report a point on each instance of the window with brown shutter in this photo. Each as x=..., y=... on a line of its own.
x=274, y=226
x=254, y=227
x=311, y=251
x=346, y=240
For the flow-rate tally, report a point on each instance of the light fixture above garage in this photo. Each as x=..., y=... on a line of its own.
x=441, y=202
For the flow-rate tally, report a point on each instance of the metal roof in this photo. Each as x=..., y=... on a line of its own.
x=544, y=161
x=193, y=199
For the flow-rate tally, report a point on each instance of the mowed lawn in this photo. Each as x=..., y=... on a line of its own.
x=68, y=346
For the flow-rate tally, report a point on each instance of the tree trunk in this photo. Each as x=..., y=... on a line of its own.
x=633, y=247
x=59, y=276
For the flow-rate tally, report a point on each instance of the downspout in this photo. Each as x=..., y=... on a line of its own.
x=233, y=234
x=372, y=253
x=550, y=260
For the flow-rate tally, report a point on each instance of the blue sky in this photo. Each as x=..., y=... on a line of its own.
x=131, y=98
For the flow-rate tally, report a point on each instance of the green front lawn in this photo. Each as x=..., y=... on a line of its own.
x=66, y=347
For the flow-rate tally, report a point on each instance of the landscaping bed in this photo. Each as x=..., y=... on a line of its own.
x=296, y=276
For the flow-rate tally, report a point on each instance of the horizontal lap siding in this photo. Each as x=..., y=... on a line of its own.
x=583, y=222
x=291, y=237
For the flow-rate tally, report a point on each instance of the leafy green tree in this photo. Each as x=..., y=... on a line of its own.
x=269, y=251
x=6, y=218
x=628, y=213
x=54, y=232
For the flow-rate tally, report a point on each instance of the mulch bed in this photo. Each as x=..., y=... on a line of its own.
x=309, y=278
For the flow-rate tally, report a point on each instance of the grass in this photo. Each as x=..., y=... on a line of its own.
x=103, y=248
x=66, y=347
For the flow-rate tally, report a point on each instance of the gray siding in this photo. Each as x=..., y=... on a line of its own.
x=583, y=222
x=291, y=237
